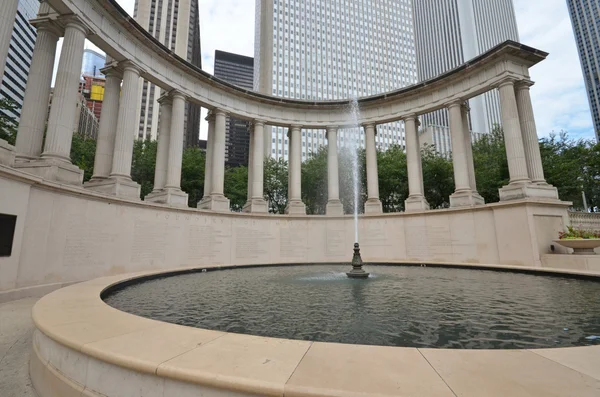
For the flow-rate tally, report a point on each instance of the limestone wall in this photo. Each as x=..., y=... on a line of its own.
x=67, y=234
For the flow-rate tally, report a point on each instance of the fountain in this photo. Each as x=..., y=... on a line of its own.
x=357, y=270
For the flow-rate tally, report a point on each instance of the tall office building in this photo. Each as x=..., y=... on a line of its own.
x=451, y=32
x=176, y=24
x=585, y=17
x=19, y=56
x=333, y=49
x=239, y=70
x=92, y=63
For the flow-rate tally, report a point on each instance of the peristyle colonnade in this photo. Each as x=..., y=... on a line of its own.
x=119, y=120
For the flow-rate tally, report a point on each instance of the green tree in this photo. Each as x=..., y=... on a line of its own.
x=314, y=182
x=83, y=152
x=491, y=166
x=276, y=184
x=438, y=178
x=393, y=178
x=346, y=174
x=143, y=164
x=8, y=124
x=236, y=187
x=192, y=174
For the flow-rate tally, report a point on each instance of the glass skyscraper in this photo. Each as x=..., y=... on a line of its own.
x=585, y=17
x=92, y=63
x=451, y=32
x=333, y=49
x=19, y=56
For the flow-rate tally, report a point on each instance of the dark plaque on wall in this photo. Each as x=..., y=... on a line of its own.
x=7, y=233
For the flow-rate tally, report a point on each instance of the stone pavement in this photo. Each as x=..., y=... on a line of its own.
x=16, y=329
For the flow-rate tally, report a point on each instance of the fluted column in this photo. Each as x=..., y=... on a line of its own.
x=295, y=204
x=32, y=123
x=334, y=205
x=64, y=98
x=468, y=146
x=515, y=152
x=164, y=137
x=216, y=201
x=108, y=123
x=416, y=196
x=250, y=166
x=176, y=142
x=256, y=202
x=373, y=204
x=8, y=11
x=463, y=196
x=529, y=132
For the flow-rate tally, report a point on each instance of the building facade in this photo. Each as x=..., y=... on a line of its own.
x=19, y=56
x=239, y=70
x=92, y=63
x=176, y=24
x=333, y=49
x=451, y=32
x=585, y=17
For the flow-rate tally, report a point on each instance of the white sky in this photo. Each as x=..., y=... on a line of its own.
x=559, y=97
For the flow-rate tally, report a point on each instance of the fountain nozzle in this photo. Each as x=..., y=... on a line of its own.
x=357, y=263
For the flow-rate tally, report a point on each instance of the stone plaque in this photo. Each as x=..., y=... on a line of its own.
x=149, y=241
x=87, y=243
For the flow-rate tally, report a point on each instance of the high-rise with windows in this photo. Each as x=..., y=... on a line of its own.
x=176, y=24
x=92, y=63
x=333, y=49
x=239, y=70
x=585, y=17
x=451, y=32
x=19, y=56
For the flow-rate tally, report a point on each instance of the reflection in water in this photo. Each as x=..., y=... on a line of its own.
x=396, y=306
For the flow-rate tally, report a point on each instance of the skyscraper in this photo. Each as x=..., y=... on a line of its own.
x=176, y=24
x=19, y=56
x=585, y=17
x=333, y=49
x=239, y=70
x=92, y=63
x=451, y=32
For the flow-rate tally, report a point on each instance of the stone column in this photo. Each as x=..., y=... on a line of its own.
x=55, y=162
x=171, y=193
x=468, y=146
x=208, y=157
x=531, y=145
x=295, y=205
x=513, y=138
x=373, y=204
x=119, y=182
x=8, y=11
x=416, y=198
x=164, y=137
x=256, y=203
x=32, y=123
x=463, y=196
x=108, y=124
x=217, y=200
x=334, y=205
x=250, y=164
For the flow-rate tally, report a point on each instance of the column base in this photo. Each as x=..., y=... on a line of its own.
x=295, y=207
x=168, y=196
x=256, y=206
x=52, y=170
x=466, y=198
x=7, y=153
x=519, y=191
x=373, y=206
x=115, y=186
x=416, y=204
x=214, y=202
x=334, y=208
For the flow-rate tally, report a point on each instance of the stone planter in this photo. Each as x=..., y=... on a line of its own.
x=581, y=246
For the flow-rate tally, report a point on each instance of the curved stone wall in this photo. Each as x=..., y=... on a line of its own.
x=67, y=234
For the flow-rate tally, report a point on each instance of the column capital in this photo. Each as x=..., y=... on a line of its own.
x=73, y=21
x=295, y=127
x=177, y=94
x=455, y=103
x=507, y=81
x=165, y=99
x=130, y=66
x=330, y=129
x=412, y=116
x=369, y=125
x=524, y=84
x=210, y=116
x=219, y=112
x=258, y=122
x=111, y=68
x=466, y=107
x=46, y=24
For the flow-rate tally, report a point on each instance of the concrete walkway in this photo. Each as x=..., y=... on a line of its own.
x=16, y=329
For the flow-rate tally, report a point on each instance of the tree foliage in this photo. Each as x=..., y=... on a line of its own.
x=192, y=174
x=83, y=152
x=8, y=124
x=276, y=184
x=236, y=187
x=143, y=164
x=491, y=166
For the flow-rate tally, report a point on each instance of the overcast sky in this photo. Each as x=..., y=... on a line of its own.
x=559, y=97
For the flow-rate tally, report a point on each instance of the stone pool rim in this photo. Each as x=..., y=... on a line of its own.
x=75, y=322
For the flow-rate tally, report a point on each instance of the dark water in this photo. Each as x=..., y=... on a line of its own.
x=399, y=306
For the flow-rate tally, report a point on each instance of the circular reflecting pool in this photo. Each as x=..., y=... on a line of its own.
x=397, y=306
